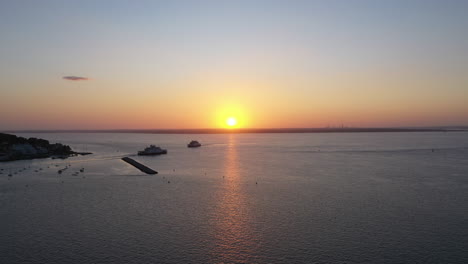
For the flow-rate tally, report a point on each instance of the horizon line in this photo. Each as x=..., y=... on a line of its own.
x=248, y=130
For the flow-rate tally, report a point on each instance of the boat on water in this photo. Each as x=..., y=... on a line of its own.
x=152, y=150
x=194, y=144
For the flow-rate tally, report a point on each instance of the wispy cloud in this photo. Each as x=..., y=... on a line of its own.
x=75, y=78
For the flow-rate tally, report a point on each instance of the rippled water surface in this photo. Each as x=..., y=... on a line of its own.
x=241, y=198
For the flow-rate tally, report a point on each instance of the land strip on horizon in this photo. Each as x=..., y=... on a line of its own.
x=251, y=130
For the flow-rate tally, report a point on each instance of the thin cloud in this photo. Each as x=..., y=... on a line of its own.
x=75, y=78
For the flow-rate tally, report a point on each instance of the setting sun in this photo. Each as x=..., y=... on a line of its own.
x=230, y=115
x=231, y=121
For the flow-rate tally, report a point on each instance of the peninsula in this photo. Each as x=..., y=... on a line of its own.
x=19, y=148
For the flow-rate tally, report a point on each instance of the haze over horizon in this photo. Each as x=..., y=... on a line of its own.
x=244, y=64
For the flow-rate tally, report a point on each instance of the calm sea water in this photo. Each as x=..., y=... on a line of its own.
x=241, y=198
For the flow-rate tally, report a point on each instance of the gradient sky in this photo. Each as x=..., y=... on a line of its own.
x=191, y=64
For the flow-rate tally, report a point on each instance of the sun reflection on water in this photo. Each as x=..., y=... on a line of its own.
x=234, y=238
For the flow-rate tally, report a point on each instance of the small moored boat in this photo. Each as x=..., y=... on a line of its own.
x=152, y=150
x=194, y=144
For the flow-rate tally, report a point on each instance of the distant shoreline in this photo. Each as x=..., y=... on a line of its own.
x=251, y=130
x=13, y=148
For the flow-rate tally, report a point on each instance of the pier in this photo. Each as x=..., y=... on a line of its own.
x=139, y=166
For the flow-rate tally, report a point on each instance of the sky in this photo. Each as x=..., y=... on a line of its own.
x=269, y=64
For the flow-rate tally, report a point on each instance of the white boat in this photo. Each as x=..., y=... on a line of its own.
x=152, y=150
x=194, y=144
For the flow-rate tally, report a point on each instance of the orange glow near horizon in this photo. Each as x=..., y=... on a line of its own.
x=242, y=100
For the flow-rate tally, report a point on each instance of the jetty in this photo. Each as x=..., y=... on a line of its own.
x=139, y=166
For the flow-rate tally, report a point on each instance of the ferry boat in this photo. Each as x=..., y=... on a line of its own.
x=152, y=150
x=194, y=144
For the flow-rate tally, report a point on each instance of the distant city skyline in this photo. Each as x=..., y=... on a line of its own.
x=242, y=64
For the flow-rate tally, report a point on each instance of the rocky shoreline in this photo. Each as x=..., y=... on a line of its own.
x=19, y=148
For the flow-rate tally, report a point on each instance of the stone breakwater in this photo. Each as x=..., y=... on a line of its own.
x=139, y=166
